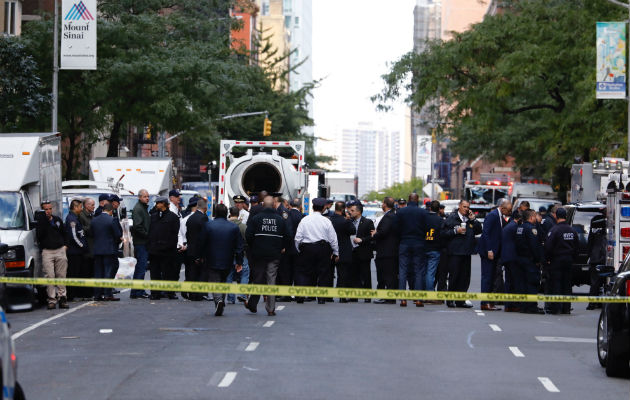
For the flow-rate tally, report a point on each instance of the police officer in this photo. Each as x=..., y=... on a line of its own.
x=316, y=242
x=77, y=247
x=529, y=250
x=561, y=247
x=513, y=282
x=240, y=202
x=102, y=200
x=549, y=220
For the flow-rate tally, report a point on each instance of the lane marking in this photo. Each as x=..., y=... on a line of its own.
x=478, y=311
x=252, y=346
x=106, y=331
x=564, y=339
x=469, y=340
x=280, y=308
x=546, y=382
x=47, y=320
x=227, y=379
x=495, y=327
x=480, y=314
x=268, y=324
x=516, y=351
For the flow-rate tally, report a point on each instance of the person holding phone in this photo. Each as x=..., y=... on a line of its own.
x=459, y=233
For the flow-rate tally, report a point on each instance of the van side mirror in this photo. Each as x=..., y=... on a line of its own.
x=123, y=212
x=3, y=248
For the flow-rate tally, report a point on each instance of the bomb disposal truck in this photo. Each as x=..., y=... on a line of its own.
x=31, y=163
x=248, y=167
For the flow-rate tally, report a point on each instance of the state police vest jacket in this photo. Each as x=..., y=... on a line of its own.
x=267, y=235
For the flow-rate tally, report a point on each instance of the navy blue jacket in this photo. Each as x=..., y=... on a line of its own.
x=547, y=223
x=106, y=233
x=508, y=246
x=490, y=239
x=75, y=235
x=220, y=243
x=562, y=242
x=411, y=223
x=343, y=228
x=528, y=245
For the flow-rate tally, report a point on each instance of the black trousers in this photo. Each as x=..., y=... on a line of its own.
x=458, y=274
x=313, y=268
x=597, y=282
x=79, y=266
x=531, y=275
x=343, y=274
x=360, y=272
x=286, y=270
x=442, y=272
x=192, y=273
x=162, y=267
x=386, y=276
x=560, y=274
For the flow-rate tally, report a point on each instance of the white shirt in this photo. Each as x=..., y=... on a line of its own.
x=174, y=209
x=243, y=215
x=181, y=236
x=315, y=227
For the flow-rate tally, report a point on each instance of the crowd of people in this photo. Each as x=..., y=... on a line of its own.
x=268, y=240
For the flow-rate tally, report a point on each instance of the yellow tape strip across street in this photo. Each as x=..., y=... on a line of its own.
x=278, y=290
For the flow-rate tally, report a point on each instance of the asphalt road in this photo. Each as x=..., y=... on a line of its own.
x=167, y=349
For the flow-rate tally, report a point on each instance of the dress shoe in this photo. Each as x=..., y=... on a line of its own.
x=321, y=301
x=591, y=306
x=99, y=298
x=139, y=296
x=563, y=312
x=207, y=298
x=380, y=301
x=63, y=303
x=185, y=296
x=300, y=300
x=111, y=298
x=419, y=303
x=115, y=291
x=172, y=296
x=51, y=306
x=309, y=299
x=434, y=302
x=450, y=304
x=343, y=300
x=271, y=313
x=329, y=300
x=512, y=309
x=218, y=308
x=251, y=307
x=390, y=301
x=536, y=310
x=155, y=297
x=353, y=300
x=403, y=303
x=367, y=300
x=489, y=307
x=463, y=305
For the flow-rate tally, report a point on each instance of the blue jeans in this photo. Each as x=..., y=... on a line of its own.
x=142, y=255
x=431, y=260
x=410, y=256
x=232, y=276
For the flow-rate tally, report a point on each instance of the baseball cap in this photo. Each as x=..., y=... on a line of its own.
x=113, y=197
x=561, y=213
x=103, y=196
x=174, y=192
x=161, y=199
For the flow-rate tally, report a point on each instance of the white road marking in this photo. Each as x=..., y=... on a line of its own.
x=227, y=379
x=546, y=382
x=478, y=311
x=280, y=308
x=252, y=346
x=480, y=314
x=564, y=339
x=268, y=324
x=516, y=351
x=469, y=340
x=106, y=331
x=495, y=328
x=47, y=320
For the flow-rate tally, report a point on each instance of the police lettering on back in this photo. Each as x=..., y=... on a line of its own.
x=269, y=225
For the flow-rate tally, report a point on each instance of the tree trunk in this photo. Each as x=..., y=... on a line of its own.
x=114, y=138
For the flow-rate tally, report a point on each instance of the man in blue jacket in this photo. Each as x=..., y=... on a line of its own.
x=489, y=249
x=220, y=248
x=106, y=234
x=412, y=229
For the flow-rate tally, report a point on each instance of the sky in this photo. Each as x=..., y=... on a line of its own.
x=353, y=40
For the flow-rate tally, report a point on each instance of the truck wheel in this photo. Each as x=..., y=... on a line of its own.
x=618, y=366
x=42, y=297
x=602, y=338
x=18, y=394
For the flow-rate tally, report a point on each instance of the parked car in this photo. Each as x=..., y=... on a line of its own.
x=613, y=328
x=535, y=203
x=579, y=216
x=11, y=389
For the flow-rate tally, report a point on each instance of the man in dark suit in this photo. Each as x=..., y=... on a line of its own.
x=489, y=248
x=411, y=222
x=459, y=233
x=362, y=251
x=344, y=229
x=220, y=248
x=385, y=239
x=107, y=234
x=194, y=224
x=163, y=234
x=287, y=276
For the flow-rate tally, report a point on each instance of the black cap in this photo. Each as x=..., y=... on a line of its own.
x=330, y=201
x=561, y=213
x=113, y=197
x=542, y=209
x=516, y=214
x=174, y=192
x=102, y=197
x=254, y=199
x=442, y=206
x=239, y=198
x=161, y=199
x=402, y=201
x=276, y=194
x=319, y=202
x=193, y=201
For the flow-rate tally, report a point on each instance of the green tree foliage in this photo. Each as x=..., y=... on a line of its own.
x=519, y=84
x=22, y=98
x=400, y=190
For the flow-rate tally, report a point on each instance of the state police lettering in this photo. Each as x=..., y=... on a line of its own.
x=269, y=225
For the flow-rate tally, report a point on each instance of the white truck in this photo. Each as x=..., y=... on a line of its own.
x=248, y=167
x=343, y=186
x=32, y=166
x=154, y=174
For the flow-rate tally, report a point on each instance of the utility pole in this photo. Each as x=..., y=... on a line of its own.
x=55, y=88
x=162, y=144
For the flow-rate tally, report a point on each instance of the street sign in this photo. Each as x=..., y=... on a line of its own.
x=439, y=181
x=78, y=34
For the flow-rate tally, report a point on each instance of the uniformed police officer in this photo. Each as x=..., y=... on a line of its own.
x=530, y=258
x=561, y=247
x=316, y=242
x=77, y=248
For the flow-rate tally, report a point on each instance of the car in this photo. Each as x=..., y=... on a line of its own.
x=449, y=206
x=11, y=389
x=579, y=216
x=535, y=203
x=373, y=213
x=613, y=327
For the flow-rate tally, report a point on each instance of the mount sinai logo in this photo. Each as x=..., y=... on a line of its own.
x=78, y=11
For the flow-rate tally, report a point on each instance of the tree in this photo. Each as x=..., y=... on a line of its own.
x=518, y=84
x=22, y=96
x=400, y=190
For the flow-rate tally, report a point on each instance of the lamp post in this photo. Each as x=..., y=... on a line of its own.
x=55, y=88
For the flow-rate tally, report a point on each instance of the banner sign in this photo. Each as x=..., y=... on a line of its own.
x=78, y=34
x=611, y=60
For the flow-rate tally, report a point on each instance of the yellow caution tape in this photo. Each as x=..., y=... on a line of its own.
x=307, y=291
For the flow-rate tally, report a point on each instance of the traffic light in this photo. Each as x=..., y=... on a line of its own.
x=147, y=132
x=267, y=127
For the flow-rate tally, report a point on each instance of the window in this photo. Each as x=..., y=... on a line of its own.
x=287, y=7
x=265, y=7
x=297, y=21
x=11, y=17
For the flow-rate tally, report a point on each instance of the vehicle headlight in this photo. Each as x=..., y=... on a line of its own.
x=10, y=255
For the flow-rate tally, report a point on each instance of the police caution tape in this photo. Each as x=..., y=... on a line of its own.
x=303, y=291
